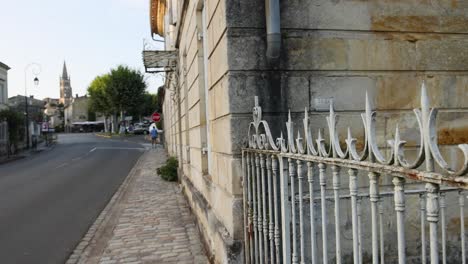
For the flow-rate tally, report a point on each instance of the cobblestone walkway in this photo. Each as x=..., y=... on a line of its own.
x=153, y=223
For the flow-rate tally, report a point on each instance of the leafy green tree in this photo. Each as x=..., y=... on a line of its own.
x=15, y=121
x=37, y=117
x=147, y=107
x=91, y=116
x=150, y=104
x=126, y=89
x=122, y=90
x=100, y=100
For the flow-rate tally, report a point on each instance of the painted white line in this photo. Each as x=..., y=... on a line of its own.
x=60, y=166
x=92, y=150
x=117, y=148
x=77, y=158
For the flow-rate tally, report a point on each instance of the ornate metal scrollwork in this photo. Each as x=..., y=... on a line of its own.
x=260, y=137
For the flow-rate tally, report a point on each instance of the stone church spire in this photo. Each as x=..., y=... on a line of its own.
x=64, y=71
x=65, y=86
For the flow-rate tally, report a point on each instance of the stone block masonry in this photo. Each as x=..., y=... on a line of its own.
x=331, y=50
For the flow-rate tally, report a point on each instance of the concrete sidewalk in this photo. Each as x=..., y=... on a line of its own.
x=147, y=221
x=25, y=153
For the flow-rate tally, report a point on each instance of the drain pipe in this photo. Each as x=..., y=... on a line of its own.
x=272, y=10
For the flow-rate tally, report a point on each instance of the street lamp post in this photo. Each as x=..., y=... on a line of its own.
x=35, y=70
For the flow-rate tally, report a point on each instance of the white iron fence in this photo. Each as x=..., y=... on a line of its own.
x=292, y=216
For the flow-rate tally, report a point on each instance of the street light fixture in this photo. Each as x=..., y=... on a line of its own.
x=35, y=70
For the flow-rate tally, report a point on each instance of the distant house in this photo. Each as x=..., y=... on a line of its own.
x=35, y=106
x=54, y=112
x=76, y=113
x=3, y=105
x=3, y=85
x=35, y=112
x=55, y=107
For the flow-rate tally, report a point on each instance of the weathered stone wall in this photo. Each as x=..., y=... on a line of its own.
x=198, y=129
x=335, y=49
x=341, y=49
x=4, y=90
x=78, y=110
x=3, y=105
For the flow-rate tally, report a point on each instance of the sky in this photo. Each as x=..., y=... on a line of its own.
x=92, y=36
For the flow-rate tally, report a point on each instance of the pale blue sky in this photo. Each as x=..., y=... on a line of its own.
x=91, y=35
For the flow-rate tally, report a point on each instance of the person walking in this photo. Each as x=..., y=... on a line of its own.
x=154, y=137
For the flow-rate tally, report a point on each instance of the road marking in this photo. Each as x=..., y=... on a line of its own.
x=77, y=158
x=116, y=148
x=92, y=150
x=63, y=165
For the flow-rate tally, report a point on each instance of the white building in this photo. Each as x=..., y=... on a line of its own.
x=3, y=105
x=3, y=85
x=76, y=112
x=54, y=111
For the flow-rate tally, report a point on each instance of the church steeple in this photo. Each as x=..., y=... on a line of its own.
x=65, y=87
x=64, y=71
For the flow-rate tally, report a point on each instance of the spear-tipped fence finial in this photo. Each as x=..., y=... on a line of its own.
x=294, y=142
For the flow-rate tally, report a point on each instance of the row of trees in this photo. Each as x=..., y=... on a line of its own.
x=122, y=92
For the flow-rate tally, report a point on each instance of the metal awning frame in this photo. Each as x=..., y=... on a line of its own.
x=158, y=70
x=159, y=61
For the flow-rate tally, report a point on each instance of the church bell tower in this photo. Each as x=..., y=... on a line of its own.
x=65, y=87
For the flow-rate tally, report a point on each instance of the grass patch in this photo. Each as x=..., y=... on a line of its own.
x=168, y=172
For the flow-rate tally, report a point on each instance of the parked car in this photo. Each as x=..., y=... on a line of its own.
x=140, y=128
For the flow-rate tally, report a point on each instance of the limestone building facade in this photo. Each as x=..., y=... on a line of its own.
x=35, y=106
x=76, y=111
x=3, y=105
x=227, y=52
x=54, y=112
x=3, y=85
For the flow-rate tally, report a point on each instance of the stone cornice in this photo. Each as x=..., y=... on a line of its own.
x=4, y=66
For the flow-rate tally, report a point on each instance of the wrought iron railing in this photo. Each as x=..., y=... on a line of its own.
x=287, y=216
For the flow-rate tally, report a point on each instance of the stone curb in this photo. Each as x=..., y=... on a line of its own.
x=25, y=154
x=82, y=251
x=11, y=159
x=104, y=136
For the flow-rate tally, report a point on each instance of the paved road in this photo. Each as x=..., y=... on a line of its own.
x=49, y=200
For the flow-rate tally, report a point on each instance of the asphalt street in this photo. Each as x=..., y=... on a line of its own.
x=50, y=199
